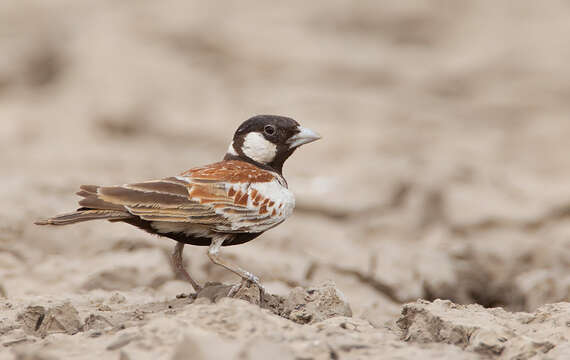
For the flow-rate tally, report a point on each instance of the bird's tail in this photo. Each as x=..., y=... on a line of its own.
x=81, y=215
x=92, y=208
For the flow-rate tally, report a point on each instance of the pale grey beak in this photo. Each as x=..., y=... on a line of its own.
x=304, y=136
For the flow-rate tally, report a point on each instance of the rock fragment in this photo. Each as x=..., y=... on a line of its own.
x=39, y=321
x=308, y=306
x=489, y=332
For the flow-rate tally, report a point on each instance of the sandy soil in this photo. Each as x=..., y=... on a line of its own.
x=443, y=174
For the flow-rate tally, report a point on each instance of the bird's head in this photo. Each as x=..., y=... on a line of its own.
x=268, y=140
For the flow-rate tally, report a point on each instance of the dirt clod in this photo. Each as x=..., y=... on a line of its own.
x=308, y=306
x=490, y=332
x=40, y=321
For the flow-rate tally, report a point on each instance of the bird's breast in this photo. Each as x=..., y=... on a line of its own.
x=270, y=204
x=279, y=201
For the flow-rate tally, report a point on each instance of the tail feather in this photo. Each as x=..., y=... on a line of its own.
x=85, y=215
x=91, y=199
x=93, y=208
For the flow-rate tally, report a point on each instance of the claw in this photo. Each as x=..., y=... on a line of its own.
x=234, y=289
x=254, y=280
x=261, y=295
x=213, y=254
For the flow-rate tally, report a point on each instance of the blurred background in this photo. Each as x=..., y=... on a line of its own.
x=443, y=171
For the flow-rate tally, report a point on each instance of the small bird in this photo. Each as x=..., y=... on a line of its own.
x=225, y=203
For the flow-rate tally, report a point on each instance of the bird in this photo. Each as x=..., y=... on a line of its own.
x=225, y=203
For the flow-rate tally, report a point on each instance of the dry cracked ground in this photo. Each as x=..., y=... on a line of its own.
x=432, y=220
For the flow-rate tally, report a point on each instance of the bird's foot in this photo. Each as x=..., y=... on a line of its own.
x=252, y=279
x=234, y=289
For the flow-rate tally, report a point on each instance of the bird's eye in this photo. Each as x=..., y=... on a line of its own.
x=269, y=129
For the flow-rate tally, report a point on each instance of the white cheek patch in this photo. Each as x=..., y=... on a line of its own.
x=259, y=149
x=232, y=150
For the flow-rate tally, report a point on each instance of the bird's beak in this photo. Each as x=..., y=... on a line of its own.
x=304, y=136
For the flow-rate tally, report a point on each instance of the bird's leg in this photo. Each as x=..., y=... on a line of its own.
x=214, y=255
x=179, y=266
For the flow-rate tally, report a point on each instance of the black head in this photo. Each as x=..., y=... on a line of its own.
x=268, y=140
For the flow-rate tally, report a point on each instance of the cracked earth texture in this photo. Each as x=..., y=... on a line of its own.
x=443, y=173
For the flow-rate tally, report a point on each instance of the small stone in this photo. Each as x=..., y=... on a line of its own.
x=249, y=292
x=96, y=322
x=308, y=306
x=36, y=320
x=31, y=318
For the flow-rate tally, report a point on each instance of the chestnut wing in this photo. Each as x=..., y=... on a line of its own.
x=219, y=199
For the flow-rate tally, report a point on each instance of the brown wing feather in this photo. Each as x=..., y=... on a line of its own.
x=85, y=215
x=161, y=200
x=232, y=171
x=202, y=196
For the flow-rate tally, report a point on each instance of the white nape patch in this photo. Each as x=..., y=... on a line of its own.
x=232, y=150
x=259, y=149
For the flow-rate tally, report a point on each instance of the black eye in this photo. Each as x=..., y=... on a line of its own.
x=269, y=129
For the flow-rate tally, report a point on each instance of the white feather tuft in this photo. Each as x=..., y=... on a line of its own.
x=258, y=148
x=232, y=150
